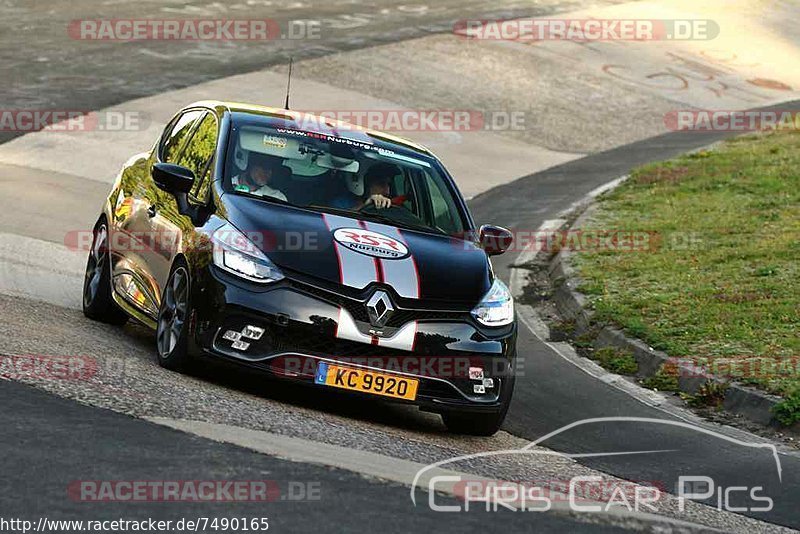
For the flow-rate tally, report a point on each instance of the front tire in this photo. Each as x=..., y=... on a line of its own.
x=98, y=303
x=172, y=332
x=481, y=424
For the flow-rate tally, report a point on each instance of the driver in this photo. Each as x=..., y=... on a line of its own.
x=378, y=187
x=256, y=180
x=377, y=191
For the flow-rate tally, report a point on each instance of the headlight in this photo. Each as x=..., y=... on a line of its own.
x=497, y=306
x=236, y=254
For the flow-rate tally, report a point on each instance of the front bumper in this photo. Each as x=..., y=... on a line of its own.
x=305, y=324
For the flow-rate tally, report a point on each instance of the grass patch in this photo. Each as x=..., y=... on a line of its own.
x=720, y=277
x=665, y=379
x=787, y=412
x=585, y=341
x=616, y=360
x=561, y=330
x=710, y=395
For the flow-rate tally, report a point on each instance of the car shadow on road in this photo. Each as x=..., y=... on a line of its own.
x=233, y=376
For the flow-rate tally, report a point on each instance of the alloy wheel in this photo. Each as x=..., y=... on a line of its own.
x=173, y=312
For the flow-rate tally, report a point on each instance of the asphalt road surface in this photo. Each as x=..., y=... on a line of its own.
x=553, y=392
x=52, y=70
x=55, y=444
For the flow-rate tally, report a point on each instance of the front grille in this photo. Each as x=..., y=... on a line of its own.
x=358, y=310
x=296, y=340
x=282, y=349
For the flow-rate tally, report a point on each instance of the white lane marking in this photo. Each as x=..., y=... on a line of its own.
x=302, y=450
x=41, y=270
x=591, y=195
x=516, y=282
x=375, y=465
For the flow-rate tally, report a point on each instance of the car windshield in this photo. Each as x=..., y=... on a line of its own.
x=330, y=173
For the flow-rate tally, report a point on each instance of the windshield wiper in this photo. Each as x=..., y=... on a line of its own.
x=376, y=217
x=328, y=209
x=264, y=197
x=394, y=222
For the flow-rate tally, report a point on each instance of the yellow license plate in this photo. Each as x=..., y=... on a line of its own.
x=366, y=381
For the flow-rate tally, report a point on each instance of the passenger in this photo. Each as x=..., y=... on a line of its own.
x=256, y=180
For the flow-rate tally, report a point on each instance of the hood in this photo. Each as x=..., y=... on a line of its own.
x=357, y=253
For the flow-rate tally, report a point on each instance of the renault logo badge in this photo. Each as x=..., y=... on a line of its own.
x=379, y=308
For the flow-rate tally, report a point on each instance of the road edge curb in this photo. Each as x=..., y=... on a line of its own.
x=572, y=305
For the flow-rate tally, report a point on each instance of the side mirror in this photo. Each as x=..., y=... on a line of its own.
x=173, y=178
x=495, y=239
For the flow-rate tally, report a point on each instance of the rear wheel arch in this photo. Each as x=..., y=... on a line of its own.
x=97, y=295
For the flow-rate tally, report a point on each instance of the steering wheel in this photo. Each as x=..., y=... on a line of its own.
x=399, y=212
x=372, y=208
x=397, y=202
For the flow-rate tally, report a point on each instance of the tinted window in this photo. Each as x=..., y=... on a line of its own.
x=337, y=174
x=199, y=155
x=442, y=206
x=181, y=128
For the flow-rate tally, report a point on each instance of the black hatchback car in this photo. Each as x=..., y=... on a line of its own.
x=313, y=250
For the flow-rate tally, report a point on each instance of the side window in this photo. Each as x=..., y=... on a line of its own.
x=171, y=144
x=442, y=208
x=399, y=183
x=402, y=186
x=199, y=156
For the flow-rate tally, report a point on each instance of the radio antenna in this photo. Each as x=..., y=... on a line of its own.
x=288, y=85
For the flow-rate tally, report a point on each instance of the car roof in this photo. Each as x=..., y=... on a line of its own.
x=282, y=118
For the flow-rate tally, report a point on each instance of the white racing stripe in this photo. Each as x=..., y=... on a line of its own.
x=359, y=270
x=403, y=339
x=347, y=329
x=402, y=275
x=356, y=270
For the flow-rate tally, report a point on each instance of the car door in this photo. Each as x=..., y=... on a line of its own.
x=177, y=230
x=142, y=244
